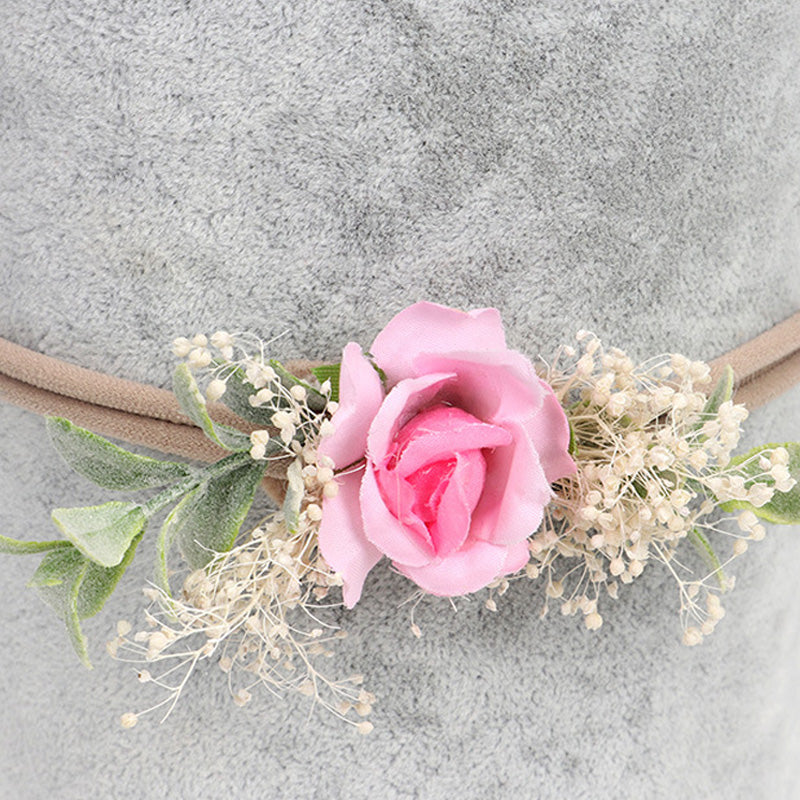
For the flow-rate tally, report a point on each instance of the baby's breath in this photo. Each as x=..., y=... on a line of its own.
x=259, y=609
x=653, y=466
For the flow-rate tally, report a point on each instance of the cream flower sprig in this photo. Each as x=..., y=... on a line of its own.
x=655, y=467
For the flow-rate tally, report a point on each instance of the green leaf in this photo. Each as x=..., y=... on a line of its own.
x=784, y=508
x=102, y=533
x=58, y=580
x=723, y=392
x=193, y=405
x=20, y=548
x=107, y=464
x=99, y=582
x=316, y=400
x=700, y=541
x=170, y=528
x=77, y=588
x=209, y=519
x=573, y=443
x=329, y=372
x=237, y=397
x=294, y=495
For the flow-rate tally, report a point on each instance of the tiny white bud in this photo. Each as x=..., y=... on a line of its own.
x=298, y=392
x=692, y=637
x=314, y=512
x=324, y=474
x=199, y=358
x=365, y=727
x=222, y=340
x=259, y=437
x=215, y=389
x=326, y=428
x=593, y=621
x=181, y=347
x=128, y=720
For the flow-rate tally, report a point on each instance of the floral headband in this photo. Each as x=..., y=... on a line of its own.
x=439, y=451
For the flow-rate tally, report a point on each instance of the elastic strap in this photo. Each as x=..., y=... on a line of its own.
x=765, y=367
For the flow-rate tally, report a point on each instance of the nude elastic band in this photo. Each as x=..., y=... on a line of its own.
x=765, y=367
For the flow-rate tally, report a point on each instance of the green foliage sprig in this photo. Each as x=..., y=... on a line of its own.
x=208, y=503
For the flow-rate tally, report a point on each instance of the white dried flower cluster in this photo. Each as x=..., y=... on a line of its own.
x=291, y=421
x=653, y=466
x=260, y=606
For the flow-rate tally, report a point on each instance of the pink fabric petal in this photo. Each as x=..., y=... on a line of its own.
x=431, y=328
x=517, y=556
x=467, y=570
x=439, y=432
x=404, y=401
x=360, y=397
x=515, y=492
x=406, y=542
x=396, y=492
x=494, y=387
x=549, y=432
x=458, y=501
x=341, y=537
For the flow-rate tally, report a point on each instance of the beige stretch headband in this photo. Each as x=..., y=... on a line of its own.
x=765, y=367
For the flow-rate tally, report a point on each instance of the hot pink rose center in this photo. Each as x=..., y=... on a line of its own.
x=434, y=474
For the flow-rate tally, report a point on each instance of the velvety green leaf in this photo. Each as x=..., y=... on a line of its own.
x=784, y=508
x=77, y=588
x=316, y=400
x=723, y=392
x=17, y=547
x=99, y=582
x=102, y=533
x=58, y=580
x=211, y=517
x=705, y=549
x=237, y=397
x=294, y=496
x=193, y=405
x=107, y=464
x=329, y=372
x=573, y=444
x=170, y=528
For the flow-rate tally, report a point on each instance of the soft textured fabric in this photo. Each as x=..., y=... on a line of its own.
x=309, y=169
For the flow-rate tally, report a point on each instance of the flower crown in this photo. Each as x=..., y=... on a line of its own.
x=440, y=449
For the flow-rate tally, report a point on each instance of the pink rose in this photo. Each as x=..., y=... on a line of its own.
x=448, y=469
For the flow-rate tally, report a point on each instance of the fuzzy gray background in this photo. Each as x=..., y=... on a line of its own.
x=627, y=166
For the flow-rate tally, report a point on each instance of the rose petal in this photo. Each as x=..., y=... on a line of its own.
x=494, y=387
x=360, y=397
x=549, y=432
x=401, y=404
x=341, y=537
x=517, y=556
x=431, y=328
x=406, y=542
x=458, y=501
x=515, y=492
x=467, y=570
x=440, y=432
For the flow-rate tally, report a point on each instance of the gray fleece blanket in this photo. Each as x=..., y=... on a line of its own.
x=311, y=168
